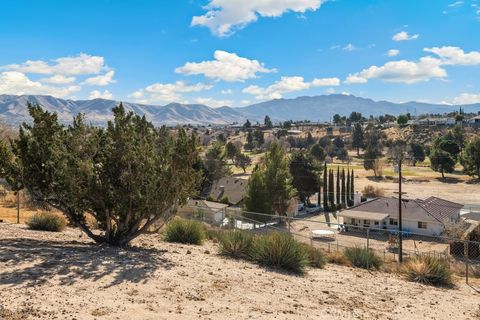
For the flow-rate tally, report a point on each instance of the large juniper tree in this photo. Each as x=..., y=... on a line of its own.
x=305, y=172
x=129, y=175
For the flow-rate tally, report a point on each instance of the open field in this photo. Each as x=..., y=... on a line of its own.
x=64, y=276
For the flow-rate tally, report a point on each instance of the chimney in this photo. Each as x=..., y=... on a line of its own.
x=357, y=198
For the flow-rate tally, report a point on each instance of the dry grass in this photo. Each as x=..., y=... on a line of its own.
x=337, y=257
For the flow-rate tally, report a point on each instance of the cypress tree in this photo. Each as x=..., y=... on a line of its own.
x=338, y=186
x=344, y=192
x=347, y=192
x=352, y=189
x=331, y=188
x=325, y=188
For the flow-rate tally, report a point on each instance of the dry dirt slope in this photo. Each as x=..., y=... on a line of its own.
x=61, y=276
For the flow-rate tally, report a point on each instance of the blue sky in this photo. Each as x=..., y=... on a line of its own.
x=238, y=52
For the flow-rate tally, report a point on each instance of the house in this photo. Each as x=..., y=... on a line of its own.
x=230, y=188
x=209, y=211
x=426, y=217
x=474, y=122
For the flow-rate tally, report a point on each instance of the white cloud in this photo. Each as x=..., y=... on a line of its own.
x=226, y=91
x=349, y=47
x=213, y=102
x=167, y=92
x=404, y=36
x=455, y=55
x=58, y=79
x=467, y=98
x=17, y=83
x=226, y=66
x=393, y=52
x=96, y=94
x=81, y=64
x=456, y=4
x=101, y=80
x=224, y=17
x=288, y=84
x=401, y=71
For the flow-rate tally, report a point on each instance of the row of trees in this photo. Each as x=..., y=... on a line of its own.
x=338, y=190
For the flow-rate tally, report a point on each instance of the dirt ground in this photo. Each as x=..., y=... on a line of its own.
x=65, y=276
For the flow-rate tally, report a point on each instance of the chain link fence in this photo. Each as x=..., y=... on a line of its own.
x=319, y=231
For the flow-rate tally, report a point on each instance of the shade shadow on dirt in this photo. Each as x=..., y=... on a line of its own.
x=36, y=262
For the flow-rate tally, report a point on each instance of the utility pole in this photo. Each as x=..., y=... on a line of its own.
x=400, y=228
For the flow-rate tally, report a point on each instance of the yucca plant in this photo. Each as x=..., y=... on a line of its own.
x=47, y=221
x=363, y=258
x=280, y=250
x=428, y=270
x=316, y=257
x=236, y=243
x=185, y=231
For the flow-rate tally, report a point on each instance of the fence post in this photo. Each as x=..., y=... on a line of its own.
x=466, y=271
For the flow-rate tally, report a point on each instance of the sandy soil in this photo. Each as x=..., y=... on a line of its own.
x=64, y=276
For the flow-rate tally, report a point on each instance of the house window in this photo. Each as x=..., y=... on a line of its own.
x=422, y=225
x=393, y=222
x=376, y=223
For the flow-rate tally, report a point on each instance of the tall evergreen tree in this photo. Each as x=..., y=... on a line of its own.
x=304, y=170
x=344, y=192
x=352, y=186
x=325, y=187
x=358, y=139
x=471, y=158
x=331, y=187
x=347, y=192
x=338, y=194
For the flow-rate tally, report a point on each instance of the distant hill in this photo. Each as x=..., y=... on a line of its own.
x=322, y=108
x=319, y=108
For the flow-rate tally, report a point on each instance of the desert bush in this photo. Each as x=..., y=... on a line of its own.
x=280, y=250
x=47, y=221
x=316, y=257
x=363, y=258
x=370, y=191
x=337, y=257
x=428, y=270
x=236, y=243
x=185, y=231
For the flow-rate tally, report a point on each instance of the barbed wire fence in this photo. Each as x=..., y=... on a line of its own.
x=331, y=236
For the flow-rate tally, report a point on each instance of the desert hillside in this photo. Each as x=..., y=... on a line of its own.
x=63, y=276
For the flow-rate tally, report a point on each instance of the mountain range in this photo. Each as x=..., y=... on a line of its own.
x=13, y=109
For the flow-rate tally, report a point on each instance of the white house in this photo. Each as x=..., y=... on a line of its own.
x=425, y=217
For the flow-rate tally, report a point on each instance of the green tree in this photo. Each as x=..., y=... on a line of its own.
x=447, y=145
x=250, y=143
x=258, y=138
x=257, y=198
x=358, y=139
x=231, y=150
x=242, y=161
x=318, y=152
x=247, y=124
x=337, y=119
x=309, y=141
x=268, y=122
x=128, y=175
x=305, y=173
x=278, y=187
x=215, y=162
x=355, y=117
x=331, y=189
x=417, y=153
x=402, y=119
x=352, y=185
x=441, y=161
x=458, y=135
x=325, y=187
x=471, y=158
x=338, y=190
x=347, y=193
x=344, y=191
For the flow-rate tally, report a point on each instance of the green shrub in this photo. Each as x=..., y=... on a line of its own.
x=363, y=258
x=236, y=243
x=280, y=250
x=185, y=231
x=316, y=257
x=428, y=270
x=47, y=221
x=225, y=200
